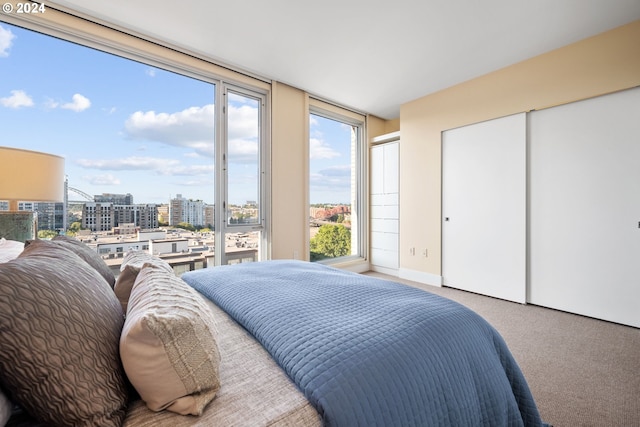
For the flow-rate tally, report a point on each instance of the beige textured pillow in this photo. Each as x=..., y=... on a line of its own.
x=132, y=263
x=90, y=256
x=60, y=326
x=168, y=345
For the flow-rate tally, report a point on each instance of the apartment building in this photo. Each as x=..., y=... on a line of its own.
x=106, y=216
x=186, y=210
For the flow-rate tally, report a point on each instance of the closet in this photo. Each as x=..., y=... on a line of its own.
x=384, y=202
x=556, y=216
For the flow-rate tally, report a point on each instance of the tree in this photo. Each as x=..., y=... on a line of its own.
x=47, y=234
x=331, y=241
x=186, y=226
x=75, y=226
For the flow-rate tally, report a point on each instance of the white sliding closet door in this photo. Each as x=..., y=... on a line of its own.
x=484, y=208
x=585, y=207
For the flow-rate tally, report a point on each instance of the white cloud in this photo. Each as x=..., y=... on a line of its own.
x=338, y=171
x=106, y=179
x=243, y=122
x=6, y=41
x=51, y=104
x=331, y=184
x=318, y=149
x=79, y=103
x=165, y=167
x=332, y=177
x=18, y=99
x=243, y=151
x=243, y=132
x=194, y=128
x=128, y=163
x=151, y=72
x=191, y=170
x=190, y=128
x=196, y=183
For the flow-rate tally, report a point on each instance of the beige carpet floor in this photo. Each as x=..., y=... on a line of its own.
x=581, y=371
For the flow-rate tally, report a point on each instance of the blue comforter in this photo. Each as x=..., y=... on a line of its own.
x=370, y=352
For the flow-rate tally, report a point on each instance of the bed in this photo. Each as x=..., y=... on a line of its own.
x=369, y=352
x=274, y=343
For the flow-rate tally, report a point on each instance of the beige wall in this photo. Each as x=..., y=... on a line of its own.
x=290, y=170
x=602, y=64
x=289, y=165
x=377, y=126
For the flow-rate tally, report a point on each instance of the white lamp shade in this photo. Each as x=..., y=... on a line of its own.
x=31, y=176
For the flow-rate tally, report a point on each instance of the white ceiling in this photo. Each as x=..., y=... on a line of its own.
x=370, y=55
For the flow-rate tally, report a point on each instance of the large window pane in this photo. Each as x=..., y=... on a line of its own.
x=124, y=128
x=334, y=192
x=242, y=247
x=142, y=148
x=243, y=225
x=243, y=159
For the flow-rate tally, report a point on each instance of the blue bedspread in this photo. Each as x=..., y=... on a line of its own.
x=369, y=352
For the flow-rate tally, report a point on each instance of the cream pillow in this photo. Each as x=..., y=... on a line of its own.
x=10, y=249
x=132, y=263
x=168, y=347
x=5, y=409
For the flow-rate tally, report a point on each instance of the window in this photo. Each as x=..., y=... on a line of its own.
x=243, y=224
x=336, y=184
x=131, y=118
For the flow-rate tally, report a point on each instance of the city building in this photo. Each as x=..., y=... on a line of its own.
x=182, y=210
x=209, y=216
x=116, y=199
x=107, y=216
x=163, y=214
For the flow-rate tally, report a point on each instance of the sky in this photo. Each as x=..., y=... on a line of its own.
x=127, y=127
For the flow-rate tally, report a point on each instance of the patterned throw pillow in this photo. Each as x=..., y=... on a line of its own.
x=90, y=256
x=168, y=345
x=131, y=265
x=61, y=326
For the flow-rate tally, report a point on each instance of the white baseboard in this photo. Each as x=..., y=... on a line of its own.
x=420, y=277
x=385, y=270
x=357, y=265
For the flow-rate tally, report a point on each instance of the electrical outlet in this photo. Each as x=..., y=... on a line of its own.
x=412, y=251
x=424, y=253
